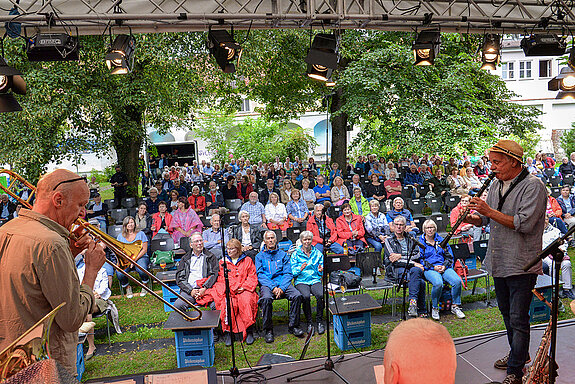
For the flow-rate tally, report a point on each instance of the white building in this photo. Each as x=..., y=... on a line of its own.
x=528, y=78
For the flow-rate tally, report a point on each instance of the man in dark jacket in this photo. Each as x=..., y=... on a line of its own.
x=274, y=274
x=119, y=181
x=401, y=253
x=214, y=199
x=197, y=264
x=265, y=194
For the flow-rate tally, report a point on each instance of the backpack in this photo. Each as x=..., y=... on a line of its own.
x=462, y=270
x=163, y=256
x=351, y=279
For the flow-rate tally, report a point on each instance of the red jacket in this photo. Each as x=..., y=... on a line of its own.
x=197, y=202
x=249, y=190
x=312, y=226
x=157, y=222
x=244, y=304
x=344, y=231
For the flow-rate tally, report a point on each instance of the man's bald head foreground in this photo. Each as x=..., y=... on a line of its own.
x=419, y=351
x=61, y=195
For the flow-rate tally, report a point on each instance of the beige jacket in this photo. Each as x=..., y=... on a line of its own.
x=38, y=273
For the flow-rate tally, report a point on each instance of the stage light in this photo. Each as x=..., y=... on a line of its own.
x=10, y=81
x=565, y=81
x=120, y=57
x=565, y=95
x=322, y=57
x=52, y=47
x=490, y=52
x=224, y=49
x=426, y=47
x=543, y=45
x=330, y=82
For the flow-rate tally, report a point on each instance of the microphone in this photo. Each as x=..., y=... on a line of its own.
x=417, y=242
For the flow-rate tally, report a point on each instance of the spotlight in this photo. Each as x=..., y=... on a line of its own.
x=426, y=47
x=565, y=81
x=330, y=82
x=224, y=49
x=491, y=51
x=543, y=45
x=10, y=79
x=120, y=57
x=322, y=57
x=565, y=95
x=52, y=47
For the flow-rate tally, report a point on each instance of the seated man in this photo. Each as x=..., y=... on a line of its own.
x=355, y=183
x=214, y=199
x=438, y=184
x=256, y=210
x=399, y=210
x=213, y=236
x=197, y=272
x=274, y=274
x=7, y=209
x=567, y=203
x=413, y=178
x=322, y=191
x=550, y=234
x=398, y=248
x=435, y=354
x=265, y=194
x=97, y=210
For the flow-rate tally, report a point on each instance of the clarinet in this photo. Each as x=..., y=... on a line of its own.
x=462, y=217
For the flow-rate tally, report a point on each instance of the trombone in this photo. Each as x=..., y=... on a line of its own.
x=125, y=252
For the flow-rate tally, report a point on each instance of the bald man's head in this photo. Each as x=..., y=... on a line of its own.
x=62, y=196
x=419, y=351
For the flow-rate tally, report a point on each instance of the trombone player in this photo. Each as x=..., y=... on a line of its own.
x=38, y=271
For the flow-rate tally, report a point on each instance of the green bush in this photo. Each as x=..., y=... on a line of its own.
x=568, y=140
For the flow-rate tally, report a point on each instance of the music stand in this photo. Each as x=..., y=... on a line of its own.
x=330, y=264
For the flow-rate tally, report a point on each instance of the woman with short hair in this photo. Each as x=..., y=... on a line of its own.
x=307, y=194
x=350, y=229
x=376, y=226
x=276, y=213
x=438, y=269
x=339, y=192
x=161, y=220
x=307, y=271
x=249, y=236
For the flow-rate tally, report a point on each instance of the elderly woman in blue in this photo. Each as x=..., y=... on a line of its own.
x=307, y=270
x=438, y=269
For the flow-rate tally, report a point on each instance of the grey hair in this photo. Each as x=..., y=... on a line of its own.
x=272, y=232
x=401, y=218
x=305, y=234
x=398, y=198
x=244, y=212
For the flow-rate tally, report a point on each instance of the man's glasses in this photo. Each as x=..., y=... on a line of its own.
x=70, y=181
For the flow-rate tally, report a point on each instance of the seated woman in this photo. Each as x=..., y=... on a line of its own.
x=350, y=230
x=286, y=191
x=197, y=201
x=554, y=213
x=322, y=226
x=339, y=192
x=196, y=176
x=185, y=221
x=276, y=213
x=550, y=234
x=173, y=202
x=376, y=189
x=359, y=204
x=244, y=299
x=249, y=236
x=473, y=183
x=375, y=170
x=456, y=183
x=465, y=229
x=480, y=170
x=143, y=220
x=390, y=167
x=307, y=271
x=438, y=269
x=376, y=226
x=334, y=172
x=307, y=194
x=392, y=186
x=161, y=220
x=129, y=235
x=297, y=209
x=244, y=189
x=463, y=170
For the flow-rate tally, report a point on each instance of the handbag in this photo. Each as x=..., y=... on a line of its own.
x=351, y=280
x=160, y=257
x=462, y=270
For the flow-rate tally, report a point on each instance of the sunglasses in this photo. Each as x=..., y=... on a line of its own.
x=70, y=181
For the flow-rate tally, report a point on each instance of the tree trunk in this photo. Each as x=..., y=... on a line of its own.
x=338, y=130
x=127, y=144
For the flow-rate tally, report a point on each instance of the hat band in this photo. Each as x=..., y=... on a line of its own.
x=507, y=151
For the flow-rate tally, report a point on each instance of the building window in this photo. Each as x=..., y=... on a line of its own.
x=525, y=69
x=507, y=71
x=544, y=68
x=245, y=107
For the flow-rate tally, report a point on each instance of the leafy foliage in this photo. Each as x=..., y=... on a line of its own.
x=568, y=140
x=254, y=139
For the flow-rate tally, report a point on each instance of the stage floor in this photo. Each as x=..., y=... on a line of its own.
x=476, y=355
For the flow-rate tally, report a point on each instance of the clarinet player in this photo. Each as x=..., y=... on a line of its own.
x=515, y=209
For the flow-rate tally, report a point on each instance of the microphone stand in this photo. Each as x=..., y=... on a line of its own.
x=328, y=365
x=402, y=280
x=234, y=371
x=557, y=255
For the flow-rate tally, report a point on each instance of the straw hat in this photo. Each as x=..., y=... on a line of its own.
x=509, y=148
